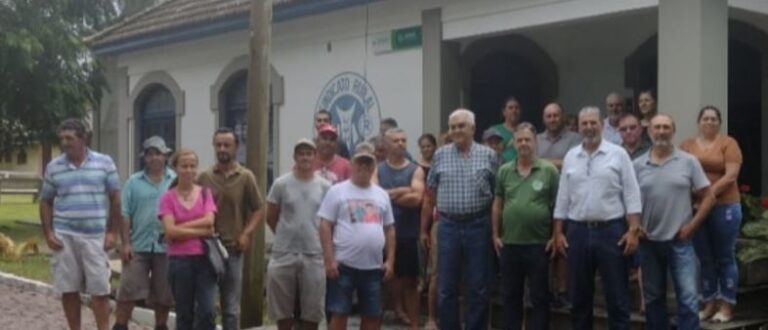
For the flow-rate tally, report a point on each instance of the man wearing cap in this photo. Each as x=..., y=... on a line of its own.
x=461, y=181
x=239, y=204
x=356, y=227
x=80, y=214
x=493, y=139
x=323, y=117
x=295, y=271
x=328, y=164
x=145, y=263
x=404, y=182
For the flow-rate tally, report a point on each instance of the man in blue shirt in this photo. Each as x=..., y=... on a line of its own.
x=80, y=211
x=145, y=264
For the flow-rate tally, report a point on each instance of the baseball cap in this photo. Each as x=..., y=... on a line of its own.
x=304, y=142
x=363, y=155
x=327, y=128
x=491, y=132
x=156, y=142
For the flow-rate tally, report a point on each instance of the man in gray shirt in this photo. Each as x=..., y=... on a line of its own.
x=667, y=175
x=296, y=271
x=555, y=141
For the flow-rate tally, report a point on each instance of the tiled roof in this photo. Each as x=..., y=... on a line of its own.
x=175, y=14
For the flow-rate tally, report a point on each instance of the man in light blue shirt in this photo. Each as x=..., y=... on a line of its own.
x=600, y=197
x=80, y=211
x=144, y=274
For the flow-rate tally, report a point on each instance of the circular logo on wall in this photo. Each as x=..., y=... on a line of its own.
x=354, y=108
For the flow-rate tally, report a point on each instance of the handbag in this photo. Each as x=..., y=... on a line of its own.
x=214, y=249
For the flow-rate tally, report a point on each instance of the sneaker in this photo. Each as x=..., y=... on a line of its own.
x=120, y=327
x=161, y=327
x=560, y=300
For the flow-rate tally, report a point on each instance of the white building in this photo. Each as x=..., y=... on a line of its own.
x=178, y=68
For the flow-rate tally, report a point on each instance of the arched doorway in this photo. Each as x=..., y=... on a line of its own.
x=747, y=82
x=156, y=116
x=234, y=98
x=495, y=68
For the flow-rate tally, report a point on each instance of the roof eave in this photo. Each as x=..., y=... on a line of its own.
x=219, y=26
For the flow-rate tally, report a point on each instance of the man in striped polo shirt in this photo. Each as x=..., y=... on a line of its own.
x=81, y=190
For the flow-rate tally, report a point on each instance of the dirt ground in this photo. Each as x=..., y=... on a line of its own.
x=24, y=310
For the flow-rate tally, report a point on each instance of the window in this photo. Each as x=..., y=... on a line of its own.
x=235, y=106
x=21, y=157
x=156, y=116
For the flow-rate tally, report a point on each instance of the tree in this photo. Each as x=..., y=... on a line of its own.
x=46, y=70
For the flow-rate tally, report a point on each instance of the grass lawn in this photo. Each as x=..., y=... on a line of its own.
x=15, y=208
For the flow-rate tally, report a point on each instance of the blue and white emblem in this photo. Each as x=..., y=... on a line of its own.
x=354, y=108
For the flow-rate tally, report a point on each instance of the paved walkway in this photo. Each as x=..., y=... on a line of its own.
x=26, y=309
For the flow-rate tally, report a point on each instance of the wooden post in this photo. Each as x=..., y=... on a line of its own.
x=257, y=116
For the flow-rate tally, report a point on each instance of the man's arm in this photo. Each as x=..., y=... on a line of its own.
x=46, y=217
x=427, y=210
x=273, y=215
x=415, y=194
x=389, y=247
x=253, y=198
x=115, y=219
x=498, y=204
x=705, y=199
x=326, y=240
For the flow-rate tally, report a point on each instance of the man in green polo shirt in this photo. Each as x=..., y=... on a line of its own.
x=526, y=189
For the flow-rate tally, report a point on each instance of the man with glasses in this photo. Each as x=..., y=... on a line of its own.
x=323, y=117
x=631, y=135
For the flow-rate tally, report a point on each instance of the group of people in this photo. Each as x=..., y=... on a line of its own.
x=352, y=226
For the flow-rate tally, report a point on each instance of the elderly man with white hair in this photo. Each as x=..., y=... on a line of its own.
x=461, y=181
x=600, y=198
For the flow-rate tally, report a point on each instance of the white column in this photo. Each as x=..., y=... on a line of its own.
x=693, y=60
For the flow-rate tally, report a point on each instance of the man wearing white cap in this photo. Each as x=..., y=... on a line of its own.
x=296, y=271
x=356, y=226
x=145, y=263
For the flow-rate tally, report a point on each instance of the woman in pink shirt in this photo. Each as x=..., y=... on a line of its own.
x=187, y=212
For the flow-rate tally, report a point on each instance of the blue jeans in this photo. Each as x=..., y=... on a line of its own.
x=592, y=248
x=193, y=283
x=715, y=244
x=677, y=258
x=518, y=263
x=463, y=245
x=230, y=291
x=367, y=285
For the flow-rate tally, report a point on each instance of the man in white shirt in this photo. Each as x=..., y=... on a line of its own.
x=614, y=107
x=600, y=198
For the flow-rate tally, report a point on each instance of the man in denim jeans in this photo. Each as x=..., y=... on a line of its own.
x=356, y=227
x=461, y=181
x=667, y=175
x=599, y=196
x=239, y=205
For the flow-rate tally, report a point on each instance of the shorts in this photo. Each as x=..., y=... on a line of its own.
x=293, y=277
x=407, y=257
x=145, y=277
x=367, y=285
x=81, y=266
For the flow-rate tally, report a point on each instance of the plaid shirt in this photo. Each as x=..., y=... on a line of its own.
x=463, y=185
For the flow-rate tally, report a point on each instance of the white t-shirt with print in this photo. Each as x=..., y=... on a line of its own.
x=359, y=215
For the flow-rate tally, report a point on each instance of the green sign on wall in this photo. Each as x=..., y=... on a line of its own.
x=396, y=40
x=404, y=38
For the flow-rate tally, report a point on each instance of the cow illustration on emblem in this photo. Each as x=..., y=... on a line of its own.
x=354, y=107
